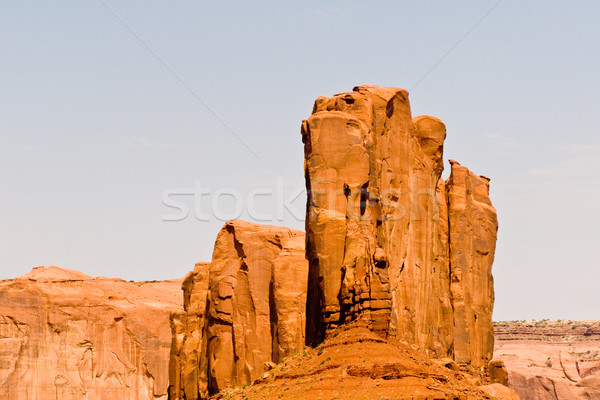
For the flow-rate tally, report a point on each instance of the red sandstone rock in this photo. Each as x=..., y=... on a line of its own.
x=66, y=335
x=188, y=363
x=498, y=372
x=498, y=391
x=255, y=310
x=473, y=226
x=385, y=235
x=389, y=244
x=551, y=360
x=356, y=364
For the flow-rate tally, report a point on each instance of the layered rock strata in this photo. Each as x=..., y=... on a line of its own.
x=388, y=242
x=551, y=360
x=246, y=310
x=66, y=335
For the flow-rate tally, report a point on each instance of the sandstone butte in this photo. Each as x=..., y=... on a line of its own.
x=395, y=295
x=67, y=336
x=388, y=242
x=244, y=310
x=551, y=360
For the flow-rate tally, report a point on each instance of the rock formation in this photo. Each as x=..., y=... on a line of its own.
x=388, y=242
x=356, y=364
x=66, y=335
x=390, y=246
x=551, y=360
x=473, y=225
x=188, y=365
x=244, y=311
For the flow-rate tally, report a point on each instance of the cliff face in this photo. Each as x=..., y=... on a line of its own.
x=188, y=363
x=246, y=310
x=551, y=360
x=388, y=242
x=473, y=226
x=65, y=335
x=390, y=247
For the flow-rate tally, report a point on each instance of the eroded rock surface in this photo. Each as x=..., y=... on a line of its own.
x=473, y=226
x=66, y=335
x=253, y=312
x=356, y=364
x=388, y=242
x=188, y=363
x=551, y=360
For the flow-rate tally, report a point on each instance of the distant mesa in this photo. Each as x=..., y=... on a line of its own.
x=66, y=335
x=54, y=273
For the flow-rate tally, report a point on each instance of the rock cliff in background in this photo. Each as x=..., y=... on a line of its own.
x=65, y=335
x=385, y=236
x=253, y=312
x=551, y=360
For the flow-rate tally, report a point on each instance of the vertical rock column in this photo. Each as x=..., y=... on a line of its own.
x=188, y=362
x=256, y=301
x=473, y=228
x=373, y=218
x=244, y=309
x=348, y=275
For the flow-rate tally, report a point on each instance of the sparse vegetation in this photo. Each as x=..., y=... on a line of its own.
x=587, y=355
x=320, y=350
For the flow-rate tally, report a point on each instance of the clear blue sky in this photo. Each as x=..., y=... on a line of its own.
x=94, y=128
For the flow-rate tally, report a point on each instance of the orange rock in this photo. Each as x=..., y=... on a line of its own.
x=473, y=226
x=390, y=246
x=551, y=359
x=254, y=296
x=356, y=364
x=188, y=362
x=385, y=234
x=497, y=372
x=500, y=392
x=66, y=335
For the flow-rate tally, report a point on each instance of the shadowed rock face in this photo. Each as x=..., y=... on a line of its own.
x=388, y=242
x=66, y=335
x=245, y=309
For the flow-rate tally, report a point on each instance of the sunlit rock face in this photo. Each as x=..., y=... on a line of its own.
x=551, y=360
x=188, y=363
x=244, y=310
x=65, y=335
x=473, y=226
x=388, y=242
x=389, y=245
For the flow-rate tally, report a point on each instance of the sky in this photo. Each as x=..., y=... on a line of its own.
x=123, y=124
